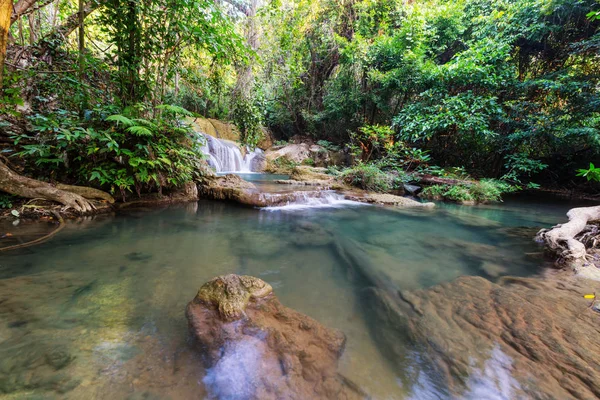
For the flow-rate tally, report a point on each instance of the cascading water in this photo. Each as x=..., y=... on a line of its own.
x=309, y=199
x=225, y=156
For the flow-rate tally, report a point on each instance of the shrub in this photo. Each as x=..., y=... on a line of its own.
x=480, y=192
x=326, y=144
x=368, y=177
x=119, y=152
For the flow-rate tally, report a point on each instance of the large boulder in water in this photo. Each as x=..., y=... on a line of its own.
x=256, y=348
x=520, y=338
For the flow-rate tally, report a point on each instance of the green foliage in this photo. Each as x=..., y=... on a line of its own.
x=6, y=200
x=592, y=173
x=150, y=38
x=123, y=153
x=283, y=165
x=327, y=145
x=247, y=117
x=368, y=177
x=474, y=82
x=308, y=161
x=483, y=191
x=371, y=140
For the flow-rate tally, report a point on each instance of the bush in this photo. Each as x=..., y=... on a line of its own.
x=119, y=152
x=368, y=177
x=484, y=191
x=326, y=144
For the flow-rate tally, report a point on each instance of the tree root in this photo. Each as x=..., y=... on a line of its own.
x=71, y=197
x=569, y=240
x=40, y=240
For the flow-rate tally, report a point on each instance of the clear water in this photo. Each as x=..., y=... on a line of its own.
x=98, y=311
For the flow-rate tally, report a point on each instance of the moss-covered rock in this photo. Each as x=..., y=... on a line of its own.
x=231, y=293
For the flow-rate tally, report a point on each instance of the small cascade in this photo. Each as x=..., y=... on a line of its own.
x=308, y=199
x=225, y=156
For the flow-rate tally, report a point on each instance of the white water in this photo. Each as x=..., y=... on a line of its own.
x=225, y=156
x=306, y=200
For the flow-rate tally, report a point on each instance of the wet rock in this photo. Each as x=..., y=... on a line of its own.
x=306, y=173
x=492, y=269
x=386, y=199
x=256, y=348
x=539, y=334
x=256, y=244
x=309, y=234
x=138, y=256
x=258, y=163
x=228, y=187
x=412, y=189
x=233, y=188
x=298, y=153
x=58, y=358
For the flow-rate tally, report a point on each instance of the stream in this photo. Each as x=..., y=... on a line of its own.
x=98, y=311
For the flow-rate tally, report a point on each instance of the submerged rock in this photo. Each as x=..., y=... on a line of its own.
x=519, y=338
x=539, y=335
x=256, y=348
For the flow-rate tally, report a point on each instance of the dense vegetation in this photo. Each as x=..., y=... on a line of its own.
x=95, y=93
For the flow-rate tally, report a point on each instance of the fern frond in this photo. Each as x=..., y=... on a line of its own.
x=118, y=118
x=139, y=130
x=174, y=109
x=146, y=123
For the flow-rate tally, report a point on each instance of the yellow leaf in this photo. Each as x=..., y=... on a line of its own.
x=589, y=296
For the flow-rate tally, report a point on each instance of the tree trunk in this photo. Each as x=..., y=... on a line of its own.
x=19, y=185
x=6, y=7
x=60, y=32
x=562, y=238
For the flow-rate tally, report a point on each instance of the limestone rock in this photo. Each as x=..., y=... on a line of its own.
x=299, y=153
x=386, y=199
x=543, y=331
x=231, y=294
x=264, y=350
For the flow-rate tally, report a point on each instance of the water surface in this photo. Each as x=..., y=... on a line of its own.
x=98, y=311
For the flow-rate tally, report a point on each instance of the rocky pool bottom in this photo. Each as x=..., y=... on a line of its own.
x=423, y=297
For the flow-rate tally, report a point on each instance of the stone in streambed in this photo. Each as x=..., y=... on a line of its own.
x=310, y=234
x=256, y=348
x=537, y=333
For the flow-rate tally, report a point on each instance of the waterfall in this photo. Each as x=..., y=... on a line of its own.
x=225, y=156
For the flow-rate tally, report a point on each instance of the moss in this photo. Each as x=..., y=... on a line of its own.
x=230, y=294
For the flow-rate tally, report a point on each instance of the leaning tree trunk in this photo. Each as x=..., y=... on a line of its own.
x=564, y=239
x=19, y=185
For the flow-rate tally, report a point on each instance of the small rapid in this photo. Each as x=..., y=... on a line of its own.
x=226, y=156
x=312, y=199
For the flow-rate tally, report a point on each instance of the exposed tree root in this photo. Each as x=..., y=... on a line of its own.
x=569, y=240
x=70, y=196
x=40, y=240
